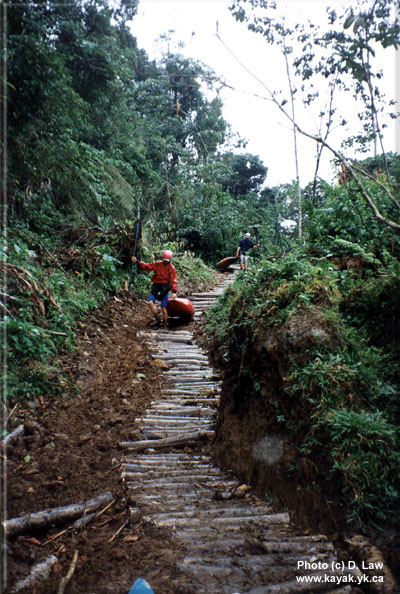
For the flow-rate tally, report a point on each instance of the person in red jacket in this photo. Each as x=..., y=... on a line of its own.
x=164, y=281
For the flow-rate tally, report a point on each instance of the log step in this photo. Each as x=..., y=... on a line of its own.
x=235, y=523
x=183, y=486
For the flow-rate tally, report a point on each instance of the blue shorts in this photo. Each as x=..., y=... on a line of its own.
x=164, y=302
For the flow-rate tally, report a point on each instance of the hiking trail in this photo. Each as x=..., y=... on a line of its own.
x=234, y=542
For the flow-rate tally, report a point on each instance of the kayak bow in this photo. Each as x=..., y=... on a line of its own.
x=180, y=307
x=226, y=262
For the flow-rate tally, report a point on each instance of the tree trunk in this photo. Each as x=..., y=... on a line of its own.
x=55, y=515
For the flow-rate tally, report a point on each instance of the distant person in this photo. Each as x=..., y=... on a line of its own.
x=164, y=280
x=244, y=246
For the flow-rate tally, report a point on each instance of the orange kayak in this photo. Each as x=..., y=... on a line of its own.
x=226, y=262
x=180, y=307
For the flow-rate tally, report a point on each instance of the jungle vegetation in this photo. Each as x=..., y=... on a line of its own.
x=99, y=135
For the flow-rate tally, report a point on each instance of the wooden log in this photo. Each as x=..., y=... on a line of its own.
x=39, y=573
x=177, y=440
x=179, y=355
x=55, y=515
x=13, y=435
x=169, y=338
x=84, y=520
x=212, y=295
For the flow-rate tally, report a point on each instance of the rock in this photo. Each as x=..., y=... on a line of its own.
x=32, y=441
x=32, y=404
x=61, y=436
x=85, y=438
x=135, y=436
x=114, y=420
x=31, y=427
x=160, y=364
x=131, y=499
x=240, y=491
x=134, y=513
x=222, y=496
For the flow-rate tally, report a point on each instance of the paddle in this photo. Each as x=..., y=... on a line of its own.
x=137, y=232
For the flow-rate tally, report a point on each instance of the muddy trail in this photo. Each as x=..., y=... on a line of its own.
x=141, y=429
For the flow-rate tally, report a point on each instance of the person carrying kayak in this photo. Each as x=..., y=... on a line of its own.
x=164, y=280
x=245, y=245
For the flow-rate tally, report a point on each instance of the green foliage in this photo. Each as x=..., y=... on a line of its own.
x=364, y=450
x=41, y=319
x=341, y=219
x=242, y=174
x=191, y=270
x=29, y=371
x=28, y=341
x=339, y=393
x=97, y=130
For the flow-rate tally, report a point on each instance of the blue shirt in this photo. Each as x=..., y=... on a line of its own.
x=244, y=245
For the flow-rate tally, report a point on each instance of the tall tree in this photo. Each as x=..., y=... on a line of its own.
x=242, y=173
x=342, y=54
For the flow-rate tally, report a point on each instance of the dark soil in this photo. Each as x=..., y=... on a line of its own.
x=70, y=453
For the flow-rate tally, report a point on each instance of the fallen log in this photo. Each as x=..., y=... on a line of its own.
x=54, y=516
x=79, y=523
x=39, y=573
x=178, y=440
x=12, y=436
x=84, y=520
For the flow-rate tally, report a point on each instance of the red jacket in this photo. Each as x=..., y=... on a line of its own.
x=163, y=273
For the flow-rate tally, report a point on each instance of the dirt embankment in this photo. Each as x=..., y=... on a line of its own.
x=249, y=438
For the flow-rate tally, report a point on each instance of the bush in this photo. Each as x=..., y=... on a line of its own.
x=364, y=450
x=338, y=398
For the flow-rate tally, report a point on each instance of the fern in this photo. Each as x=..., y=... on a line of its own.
x=354, y=249
x=120, y=188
